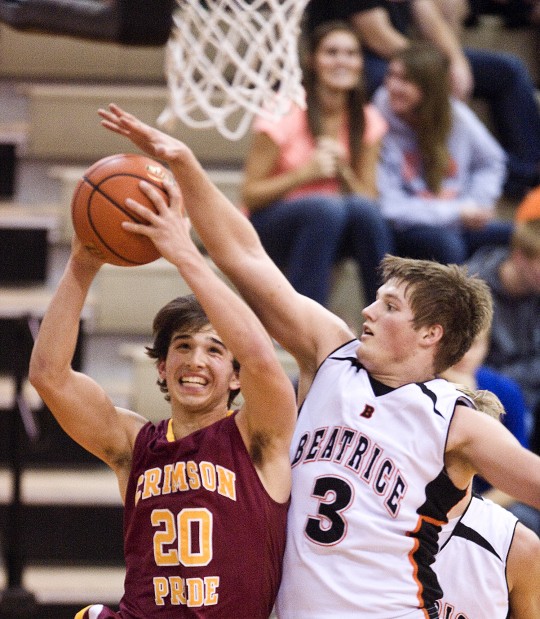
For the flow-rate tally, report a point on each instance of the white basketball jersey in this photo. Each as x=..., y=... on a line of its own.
x=369, y=496
x=471, y=565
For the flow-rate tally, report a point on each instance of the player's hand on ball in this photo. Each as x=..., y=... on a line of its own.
x=167, y=228
x=85, y=256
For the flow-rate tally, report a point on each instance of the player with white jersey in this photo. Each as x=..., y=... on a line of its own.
x=488, y=562
x=476, y=552
x=489, y=566
x=364, y=455
x=383, y=447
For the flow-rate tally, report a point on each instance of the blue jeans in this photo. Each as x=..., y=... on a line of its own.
x=306, y=236
x=449, y=245
x=503, y=81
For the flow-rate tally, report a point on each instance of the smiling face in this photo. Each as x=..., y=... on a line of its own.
x=198, y=371
x=337, y=61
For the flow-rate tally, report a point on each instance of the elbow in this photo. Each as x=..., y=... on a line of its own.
x=41, y=374
x=263, y=364
x=35, y=370
x=37, y=374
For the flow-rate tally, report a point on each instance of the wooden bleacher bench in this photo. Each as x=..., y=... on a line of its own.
x=15, y=132
x=27, y=55
x=17, y=302
x=61, y=486
x=18, y=215
x=64, y=125
x=73, y=585
x=127, y=298
x=65, y=488
x=7, y=394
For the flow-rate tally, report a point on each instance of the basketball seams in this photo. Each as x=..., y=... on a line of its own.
x=96, y=230
x=98, y=207
x=96, y=187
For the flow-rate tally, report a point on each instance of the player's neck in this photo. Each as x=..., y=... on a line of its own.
x=402, y=377
x=461, y=377
x=185, y=422
x=416, y=368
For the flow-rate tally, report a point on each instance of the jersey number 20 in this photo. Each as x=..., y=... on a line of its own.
x=188, y=537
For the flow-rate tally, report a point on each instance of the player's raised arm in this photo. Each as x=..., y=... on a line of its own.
x=234, y=245
x=479, y=444
x=268, y=415
x=79, y=404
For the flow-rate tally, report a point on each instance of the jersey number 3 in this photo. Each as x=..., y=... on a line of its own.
x=329, y=526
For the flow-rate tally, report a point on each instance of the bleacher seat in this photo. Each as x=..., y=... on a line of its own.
x=30, y=55
x=64, y=124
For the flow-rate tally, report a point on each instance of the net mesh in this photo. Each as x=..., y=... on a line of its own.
x=227, y=61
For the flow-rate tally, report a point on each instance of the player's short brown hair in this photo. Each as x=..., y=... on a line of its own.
x=445, y=295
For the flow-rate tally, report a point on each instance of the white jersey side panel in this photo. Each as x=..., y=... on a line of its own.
x=369, y=496
x=471, y=566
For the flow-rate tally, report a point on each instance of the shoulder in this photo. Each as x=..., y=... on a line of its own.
x=524, y=557
x=380, y=100
x=502, y=517
x=280, y=128
x=450, y=389
x=467, y=123
x=470, y=420
x=526, y=544
x=462, y=111
x=149, y=431
x=467, y=428
x=376, y=125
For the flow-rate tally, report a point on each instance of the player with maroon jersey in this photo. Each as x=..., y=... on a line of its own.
x=206, y=492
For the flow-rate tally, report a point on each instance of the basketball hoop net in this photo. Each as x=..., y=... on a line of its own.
x=229, y=60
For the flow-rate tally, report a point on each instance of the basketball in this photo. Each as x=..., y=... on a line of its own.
x=98, y=207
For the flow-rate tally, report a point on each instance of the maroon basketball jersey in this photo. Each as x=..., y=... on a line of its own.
x=202, y=537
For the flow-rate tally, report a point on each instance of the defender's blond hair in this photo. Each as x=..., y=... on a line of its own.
x=485, y=401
